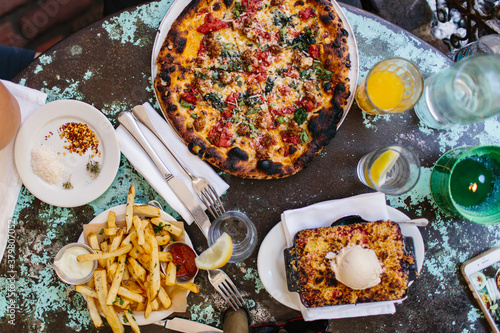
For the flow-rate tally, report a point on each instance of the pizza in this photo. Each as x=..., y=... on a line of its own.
x=255, y=87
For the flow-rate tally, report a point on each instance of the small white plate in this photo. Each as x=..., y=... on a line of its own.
x=271, y=262
x=41, y=127
x=120, y=216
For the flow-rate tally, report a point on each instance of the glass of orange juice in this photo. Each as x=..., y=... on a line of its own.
x=393, y=85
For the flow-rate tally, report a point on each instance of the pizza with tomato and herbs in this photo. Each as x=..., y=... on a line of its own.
x=255, y=87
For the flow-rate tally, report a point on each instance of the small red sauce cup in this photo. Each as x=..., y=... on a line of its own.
x=183, y=258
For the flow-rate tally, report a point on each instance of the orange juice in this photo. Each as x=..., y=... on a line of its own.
x=386, y=89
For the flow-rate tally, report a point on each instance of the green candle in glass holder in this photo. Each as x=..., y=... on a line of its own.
x=466, y=182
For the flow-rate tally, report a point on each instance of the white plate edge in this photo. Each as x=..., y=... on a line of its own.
x=108, y=138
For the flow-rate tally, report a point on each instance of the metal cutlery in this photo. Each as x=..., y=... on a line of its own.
x=187, y=326
x=201, y=186
x=176, y=184
x=421, y=222
x=223, y=284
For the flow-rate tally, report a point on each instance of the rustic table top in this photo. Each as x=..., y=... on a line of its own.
x=108, y=65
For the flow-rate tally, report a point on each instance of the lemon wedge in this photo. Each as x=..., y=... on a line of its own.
x=381, y=167
x=216, y=255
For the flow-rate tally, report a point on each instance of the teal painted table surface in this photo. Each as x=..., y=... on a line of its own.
x=108, y=65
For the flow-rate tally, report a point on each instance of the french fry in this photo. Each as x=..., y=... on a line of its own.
x=94, y=245
x=137, y=247
x=171, y=274
x=189, y=286
x=121, y=303
x=131, y=320
x=105, y=249
x=94, y=313
x=97, y=256
x=163, y=239
x=165, y=256
x=117, y=280
x=140, y=307
x=117, y=240
x=109, y=311
x=148, y=309
x=85, y=290
x=93, y=241
x=111, y=271
x=145, y=261
x=174, y=230
x=111, y=220
x=127, y=240
x=164, y=298
x=155, y=305
x=146, y=211
x=110, y=231
x=132, y=286
x=139, y=271
x=139, y=229
x=154, y=265
x=130, y=207
x=122, y=291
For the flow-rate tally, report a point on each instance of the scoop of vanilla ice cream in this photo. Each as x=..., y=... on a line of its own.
x=356, y=267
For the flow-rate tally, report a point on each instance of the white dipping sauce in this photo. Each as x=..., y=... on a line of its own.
x=71, y=266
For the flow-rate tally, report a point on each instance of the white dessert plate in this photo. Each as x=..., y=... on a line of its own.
x=120, y=216
x=271, y=262
x=42, y=128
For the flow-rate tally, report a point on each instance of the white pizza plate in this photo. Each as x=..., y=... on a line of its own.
x=178, y=6
x=271, y=262
x=41, y=127
x=120, y=216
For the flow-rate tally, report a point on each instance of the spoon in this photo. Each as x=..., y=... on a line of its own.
x=420, y=222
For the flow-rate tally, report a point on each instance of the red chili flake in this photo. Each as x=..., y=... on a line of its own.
x=79, y=137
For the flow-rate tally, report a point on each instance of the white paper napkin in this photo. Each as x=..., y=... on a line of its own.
x=10, y=184
x=370, y=207
x=141, y=161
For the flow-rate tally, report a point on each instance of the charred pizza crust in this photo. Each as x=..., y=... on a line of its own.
x=257, y=87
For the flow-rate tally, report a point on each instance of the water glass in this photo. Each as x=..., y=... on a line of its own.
x=464, y=93
x=240, y=228
x=393, y=170
x=393, y=85
x=465, y=182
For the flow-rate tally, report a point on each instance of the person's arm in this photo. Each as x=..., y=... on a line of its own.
x=13, y=60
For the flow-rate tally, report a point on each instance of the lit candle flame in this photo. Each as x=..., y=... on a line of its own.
x=473, y=187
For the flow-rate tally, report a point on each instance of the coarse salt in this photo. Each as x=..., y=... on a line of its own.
x=46, y=164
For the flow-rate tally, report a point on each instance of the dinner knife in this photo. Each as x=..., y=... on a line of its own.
x=186, y=326
x=176, y=184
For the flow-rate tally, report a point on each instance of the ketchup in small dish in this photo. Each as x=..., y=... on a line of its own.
x=183, y=258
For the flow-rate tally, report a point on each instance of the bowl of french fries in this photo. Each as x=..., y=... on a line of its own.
x=129, y=286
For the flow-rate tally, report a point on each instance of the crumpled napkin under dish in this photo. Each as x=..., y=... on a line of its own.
x=370, y=207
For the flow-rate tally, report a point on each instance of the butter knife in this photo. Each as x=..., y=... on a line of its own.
x=176, y=184
x=187, y=326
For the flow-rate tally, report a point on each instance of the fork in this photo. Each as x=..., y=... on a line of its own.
x=203, y=189
x=223, y=284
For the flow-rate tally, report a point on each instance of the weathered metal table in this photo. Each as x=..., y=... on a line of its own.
x=108, y=65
